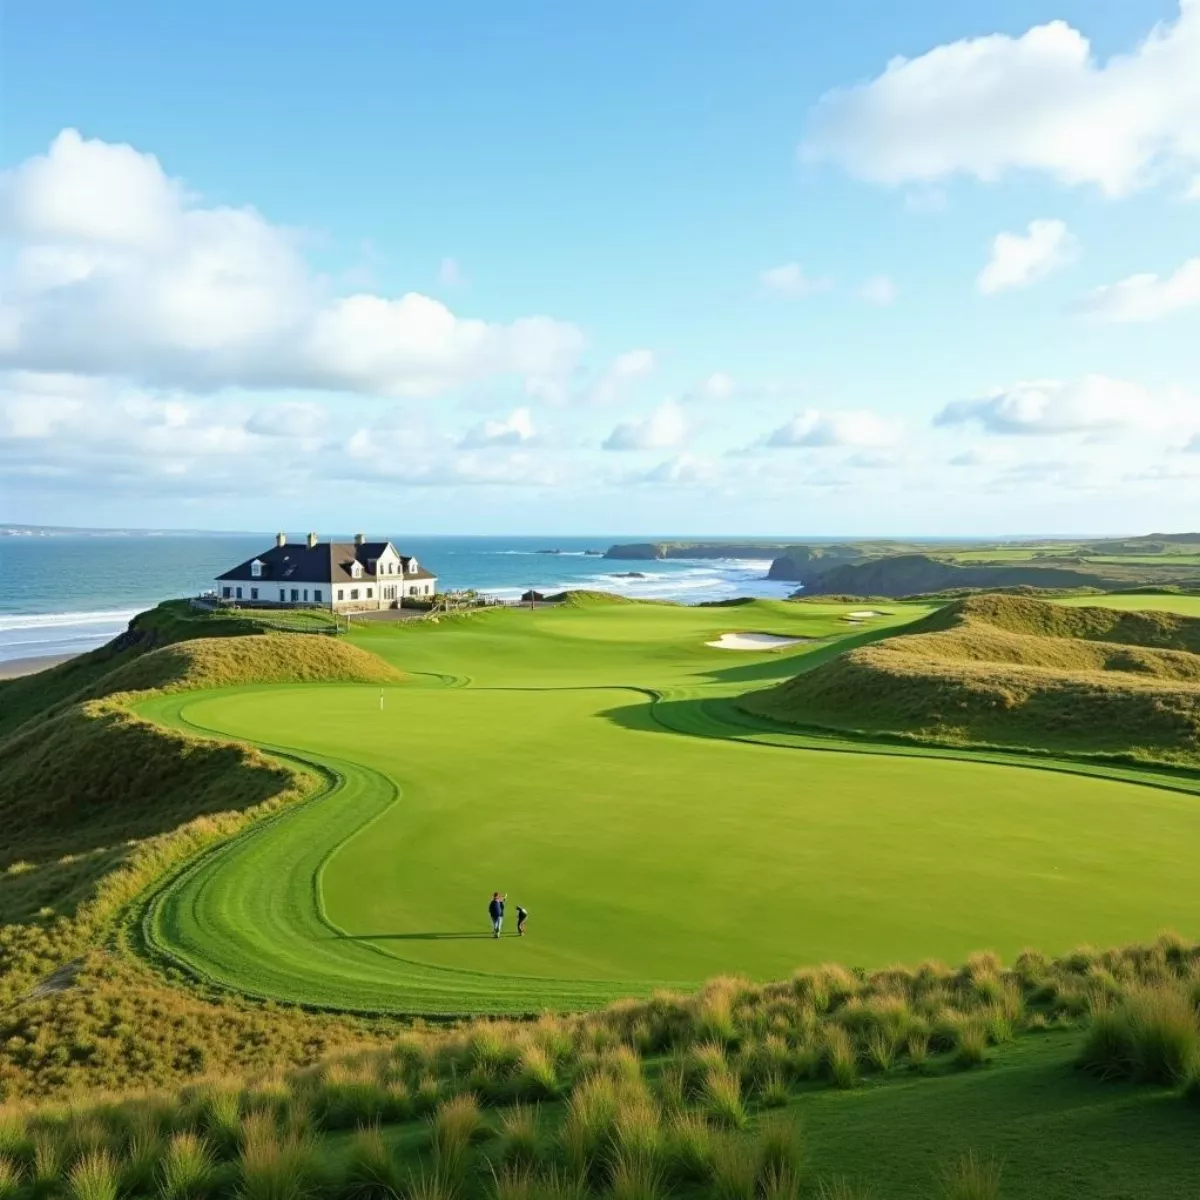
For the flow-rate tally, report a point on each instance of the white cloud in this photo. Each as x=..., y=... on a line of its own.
x=813, y=427
x=1193, y=190
x=515, y=429
x=989, y=105
x=118, y=271
x=1093, y=404
x=1145, y=297
x=621, y=374
x=663, y=429
x=718, y=386
x=683, y=470
x=450, y=273
x=879, y=289
x=790, y=280
x=1017, y=261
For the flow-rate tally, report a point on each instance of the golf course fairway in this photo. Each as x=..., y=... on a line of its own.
x=585, y=762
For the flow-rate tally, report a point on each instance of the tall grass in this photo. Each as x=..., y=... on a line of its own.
x=971, y=1178
x=455, y=1125
x=95, y=1176
x=10, y=1178
x=278, y=1164
x=187, y=1170
x=371, y=1171
x=1152, y=1034
x=520, y=1143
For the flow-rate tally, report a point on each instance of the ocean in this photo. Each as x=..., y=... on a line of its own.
x=66, y=593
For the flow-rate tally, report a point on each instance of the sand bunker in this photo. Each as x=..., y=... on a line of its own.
x=862, y=615
x=754, y=641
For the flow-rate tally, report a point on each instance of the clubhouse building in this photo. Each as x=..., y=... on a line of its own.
x=358, y=576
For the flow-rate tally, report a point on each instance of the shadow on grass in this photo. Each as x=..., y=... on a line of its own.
x=412, y=937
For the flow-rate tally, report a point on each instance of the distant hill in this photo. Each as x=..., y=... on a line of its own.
x=910, y=574
x=1015, y=672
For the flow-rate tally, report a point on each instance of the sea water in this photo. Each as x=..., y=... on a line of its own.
x=65, y=593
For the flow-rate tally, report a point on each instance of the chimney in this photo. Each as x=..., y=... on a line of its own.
x=359, y=539
x=312, y=541
x=281, y=539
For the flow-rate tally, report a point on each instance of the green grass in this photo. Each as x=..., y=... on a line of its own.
x=564, y=762
x=1185, y=605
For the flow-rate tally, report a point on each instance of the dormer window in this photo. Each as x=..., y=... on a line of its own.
x=412, y=566
x=256, y=569
x=356, y=570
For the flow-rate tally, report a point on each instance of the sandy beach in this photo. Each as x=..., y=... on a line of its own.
x=14, y=668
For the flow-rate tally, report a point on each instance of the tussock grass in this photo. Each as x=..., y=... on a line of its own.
x=10, y=1178
x=1151, y=1034
x=1013, y=671
x=454, y=1127
x=371, y=1170
x=520, y=1141
x=278, y=1164
x=723, y=1098
x=95, y=1176
x=187, y=1170
x=971, y=1178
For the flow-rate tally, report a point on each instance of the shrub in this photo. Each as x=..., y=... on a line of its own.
x=971, y=1178
x=371, y=1172
x=687, y=1151
x=94, y=1177
x=277, y=1165
x=519, y=1140
x=723, y=1099
x=187, y=1170
x=840, y=1061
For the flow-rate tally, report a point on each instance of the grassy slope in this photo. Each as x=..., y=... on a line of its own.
x=1011, y=671
x=550, y=778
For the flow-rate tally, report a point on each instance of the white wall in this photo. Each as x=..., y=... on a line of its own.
x=268, y=591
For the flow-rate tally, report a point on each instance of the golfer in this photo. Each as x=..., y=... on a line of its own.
x=522, y=916
x=496, y=912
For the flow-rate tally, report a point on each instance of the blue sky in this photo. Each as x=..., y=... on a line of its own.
x=689, y=267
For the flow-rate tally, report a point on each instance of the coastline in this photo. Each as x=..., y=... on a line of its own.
x=15, y=668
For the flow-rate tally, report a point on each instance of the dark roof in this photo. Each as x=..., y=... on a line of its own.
x=326, y=562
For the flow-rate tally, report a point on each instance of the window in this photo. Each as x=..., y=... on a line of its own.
x=282, y=595
x=427, y=589
x=256, y=569
x=354, y=593
x=317, y=595
x=295, y=595
x=341, y=593
x=239, y=593
x=306, y=593
x=356, y=570
x=413, y=591
x=370, y=593
x=254, y=593
x=412, y=566
x=226, y=593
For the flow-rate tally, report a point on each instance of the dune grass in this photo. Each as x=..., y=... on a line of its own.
x=1016, y=672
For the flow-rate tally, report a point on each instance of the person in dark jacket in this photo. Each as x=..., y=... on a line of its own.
x=496, y=912
x=522, y=917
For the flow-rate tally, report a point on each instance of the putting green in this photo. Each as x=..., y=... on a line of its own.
x=646, y=854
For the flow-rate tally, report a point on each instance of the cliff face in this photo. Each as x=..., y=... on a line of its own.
x=802, y=562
